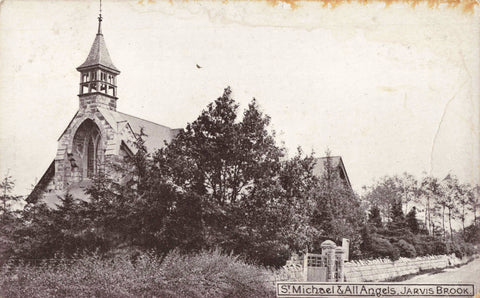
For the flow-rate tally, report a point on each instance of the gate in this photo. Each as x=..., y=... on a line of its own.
x=327, y=266
x=315, y=268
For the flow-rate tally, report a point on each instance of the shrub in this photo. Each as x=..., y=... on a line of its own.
x=383, y=248
x=406, y=249
x=469, y=249
x=205, y=274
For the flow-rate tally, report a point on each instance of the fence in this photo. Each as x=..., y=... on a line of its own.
x=330, y=266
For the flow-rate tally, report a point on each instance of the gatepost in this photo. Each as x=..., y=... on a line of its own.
x=328, y=250
x=339, y=259
x=346, y=247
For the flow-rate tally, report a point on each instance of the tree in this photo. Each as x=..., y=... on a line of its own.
x=412, y=221
x=452, y=193
x=397, y=218
x=431, y=190
x=338, y=212
x=474, y=202
x=466, y=198
x=232, y=171
x=7, y=199
x=375, y=218
x=8, y=216
x=407, y=188
x=385, y=192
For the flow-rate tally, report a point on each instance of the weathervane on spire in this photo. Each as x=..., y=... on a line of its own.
x=100, y=19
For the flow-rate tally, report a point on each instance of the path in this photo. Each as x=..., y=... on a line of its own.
x=469, y=274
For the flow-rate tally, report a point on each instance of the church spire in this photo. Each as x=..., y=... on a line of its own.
x=100, y=19
x=98, y=74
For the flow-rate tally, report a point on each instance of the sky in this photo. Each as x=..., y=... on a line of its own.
x=390, y=89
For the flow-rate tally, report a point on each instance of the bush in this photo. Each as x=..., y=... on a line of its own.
x=438, y=247
x=421, y=248
x=205, y=274
x=382, y=248
x=469, y=249
x=406, y=249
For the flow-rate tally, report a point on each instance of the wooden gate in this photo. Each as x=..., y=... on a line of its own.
x=315, y=268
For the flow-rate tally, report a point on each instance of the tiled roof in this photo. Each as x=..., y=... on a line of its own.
x=99, y=55
x=336, y=163
x=319, y=168
x=156, y=134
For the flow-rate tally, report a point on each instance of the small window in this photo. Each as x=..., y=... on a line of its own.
x=91, y=159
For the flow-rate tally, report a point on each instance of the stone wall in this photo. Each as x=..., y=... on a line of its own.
x=372, y=270
x=384, y=269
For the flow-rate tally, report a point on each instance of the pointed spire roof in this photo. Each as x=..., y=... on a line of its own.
x=99, y=55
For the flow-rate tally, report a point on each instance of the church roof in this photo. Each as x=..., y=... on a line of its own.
x=156, y=134
x=336, y=163
x=99, y=55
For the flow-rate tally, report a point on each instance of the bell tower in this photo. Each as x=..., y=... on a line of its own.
x=98, y=76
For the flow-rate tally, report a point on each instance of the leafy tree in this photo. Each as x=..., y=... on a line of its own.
x=452, y=193
x=397, y=218
x=338, y=213
x=7, y=199
x=412, y=221
x=248, y=198
x=382, y=194
x=407, y=188
x=431, y=190
x=375, y=218
x=474, y=202
x=472, y=233
x=466, y=197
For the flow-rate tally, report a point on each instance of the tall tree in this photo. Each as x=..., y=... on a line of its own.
x=412, y=221
x=466, y=196
x=7, y=185
x=431, y=190
x=474, y=202
x=383, y=194
x=397, y=218
x=407, y=188
x=232, y=169
x=339, y=212
x=450, y=199
x=375, y=218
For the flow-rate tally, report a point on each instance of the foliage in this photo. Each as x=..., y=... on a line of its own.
x=382, y=248
x=412, y=221
x=224, y=182
x=205, y=274
x=339, y=213
x=406, y=249
x=6, y=198
x=472, y=234
x=441, y=202
x=374, y=217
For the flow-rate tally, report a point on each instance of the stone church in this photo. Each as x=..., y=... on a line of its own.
x=99, y=134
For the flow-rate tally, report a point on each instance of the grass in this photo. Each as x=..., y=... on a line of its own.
x=206, y=274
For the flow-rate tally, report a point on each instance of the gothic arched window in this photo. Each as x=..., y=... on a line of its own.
x=87, y=150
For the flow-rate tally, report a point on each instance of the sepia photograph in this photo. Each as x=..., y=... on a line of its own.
x=153, y=148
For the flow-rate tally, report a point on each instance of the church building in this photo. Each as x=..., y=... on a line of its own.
x=98, y=133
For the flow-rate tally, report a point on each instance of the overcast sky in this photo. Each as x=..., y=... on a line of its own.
x=389, y=89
